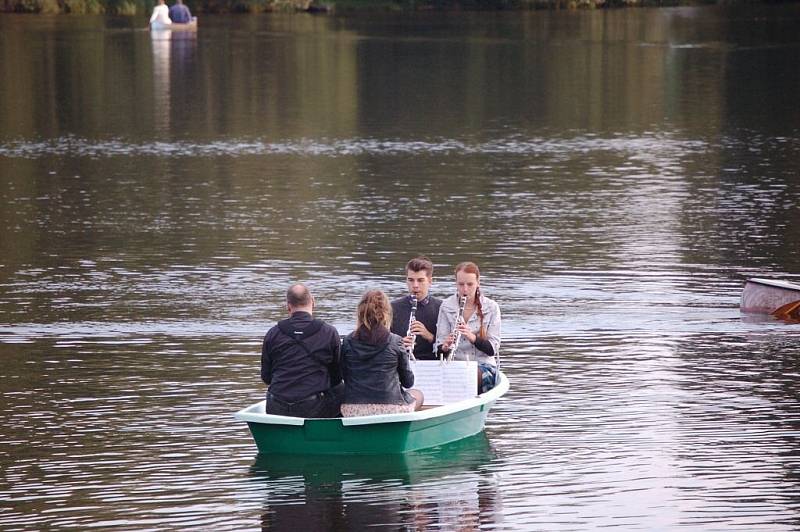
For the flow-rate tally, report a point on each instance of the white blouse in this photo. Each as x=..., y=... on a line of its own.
x=466, y=350
x=160, y=15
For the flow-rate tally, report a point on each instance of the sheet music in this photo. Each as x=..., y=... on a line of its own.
x=445, y=383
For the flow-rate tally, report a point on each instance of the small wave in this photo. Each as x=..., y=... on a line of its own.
x=81, y=147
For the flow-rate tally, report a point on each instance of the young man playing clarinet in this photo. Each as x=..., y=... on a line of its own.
x=421, y=332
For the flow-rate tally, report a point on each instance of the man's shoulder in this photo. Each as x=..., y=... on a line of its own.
x=401, y=306
x=436, y=302
x=272, y=332
x=430, y=312
x=323, y=325
x=327, y=329
x=327, y=326
x=400, y=302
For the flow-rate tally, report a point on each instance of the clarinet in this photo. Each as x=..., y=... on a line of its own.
x=411, y=319
x=459, y=318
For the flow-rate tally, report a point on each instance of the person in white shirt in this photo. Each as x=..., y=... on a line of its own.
x=160, y=14
x=479, y=326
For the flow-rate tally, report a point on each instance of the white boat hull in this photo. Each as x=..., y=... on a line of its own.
x=189, y=26
x=764, y=296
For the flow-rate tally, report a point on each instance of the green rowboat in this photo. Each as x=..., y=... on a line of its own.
x=384, y=434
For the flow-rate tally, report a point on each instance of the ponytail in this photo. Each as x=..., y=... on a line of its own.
x=479, y=308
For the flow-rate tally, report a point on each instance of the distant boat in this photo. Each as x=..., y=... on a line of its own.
x=766, y=296
x=379, y=434
x=188, y=26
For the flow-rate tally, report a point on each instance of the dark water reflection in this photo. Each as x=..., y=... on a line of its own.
x=616, y=174
x=441, y=487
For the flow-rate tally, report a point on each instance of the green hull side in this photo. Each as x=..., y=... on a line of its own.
x=329, y=436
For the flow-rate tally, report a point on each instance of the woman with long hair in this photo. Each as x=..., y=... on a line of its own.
x=375, y=364
x=479, y=326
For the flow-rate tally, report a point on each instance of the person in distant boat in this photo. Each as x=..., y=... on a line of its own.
x=479, y=325
x=179, y=13
x=301, y=362
x=375, y=364
x=419, y=277
x=160, y=14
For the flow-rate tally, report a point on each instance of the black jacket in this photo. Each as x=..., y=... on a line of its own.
x=374, y=373
x=427, y=313
x=291, y=372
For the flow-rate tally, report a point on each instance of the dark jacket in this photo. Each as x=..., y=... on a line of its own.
x=373, y=373
x=293, y=373
x=427, y=313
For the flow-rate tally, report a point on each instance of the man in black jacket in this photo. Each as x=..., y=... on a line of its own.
x=419, y=277
x=301, y=362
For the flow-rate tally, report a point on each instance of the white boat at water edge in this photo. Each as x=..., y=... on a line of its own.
x=766, y=296
x=188, y=26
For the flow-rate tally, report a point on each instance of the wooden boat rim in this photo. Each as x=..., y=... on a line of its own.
x=255, y=413
x=776, y=283
x=176, y=26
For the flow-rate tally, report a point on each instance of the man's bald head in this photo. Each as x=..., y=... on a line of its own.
x=298, y=297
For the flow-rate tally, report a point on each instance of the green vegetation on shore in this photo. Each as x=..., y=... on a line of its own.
x=138, y=7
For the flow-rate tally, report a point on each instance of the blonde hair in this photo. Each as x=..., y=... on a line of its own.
x=374, y=310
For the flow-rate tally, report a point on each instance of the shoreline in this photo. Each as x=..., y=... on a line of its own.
x=204, y=7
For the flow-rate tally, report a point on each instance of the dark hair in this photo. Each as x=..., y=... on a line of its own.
x=471, y=267
x=420, y=264
x=298, y=295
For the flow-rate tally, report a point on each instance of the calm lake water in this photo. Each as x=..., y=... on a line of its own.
x=616, y=174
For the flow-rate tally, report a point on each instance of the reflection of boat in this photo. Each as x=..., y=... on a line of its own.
x=384, y=434
x=188, y=26
x=467, y=454
x=765, y=296
x=448, y=487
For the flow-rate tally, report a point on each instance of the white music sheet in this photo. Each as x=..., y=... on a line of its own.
x=445, y=383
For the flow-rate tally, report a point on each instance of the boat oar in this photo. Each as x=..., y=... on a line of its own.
x=789, y=312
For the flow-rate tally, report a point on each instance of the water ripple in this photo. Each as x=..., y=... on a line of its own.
x=644, y=147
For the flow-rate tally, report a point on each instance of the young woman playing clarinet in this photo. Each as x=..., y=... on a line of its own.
x=468, y=327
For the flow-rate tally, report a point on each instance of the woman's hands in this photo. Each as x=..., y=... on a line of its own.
x=465, y=334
